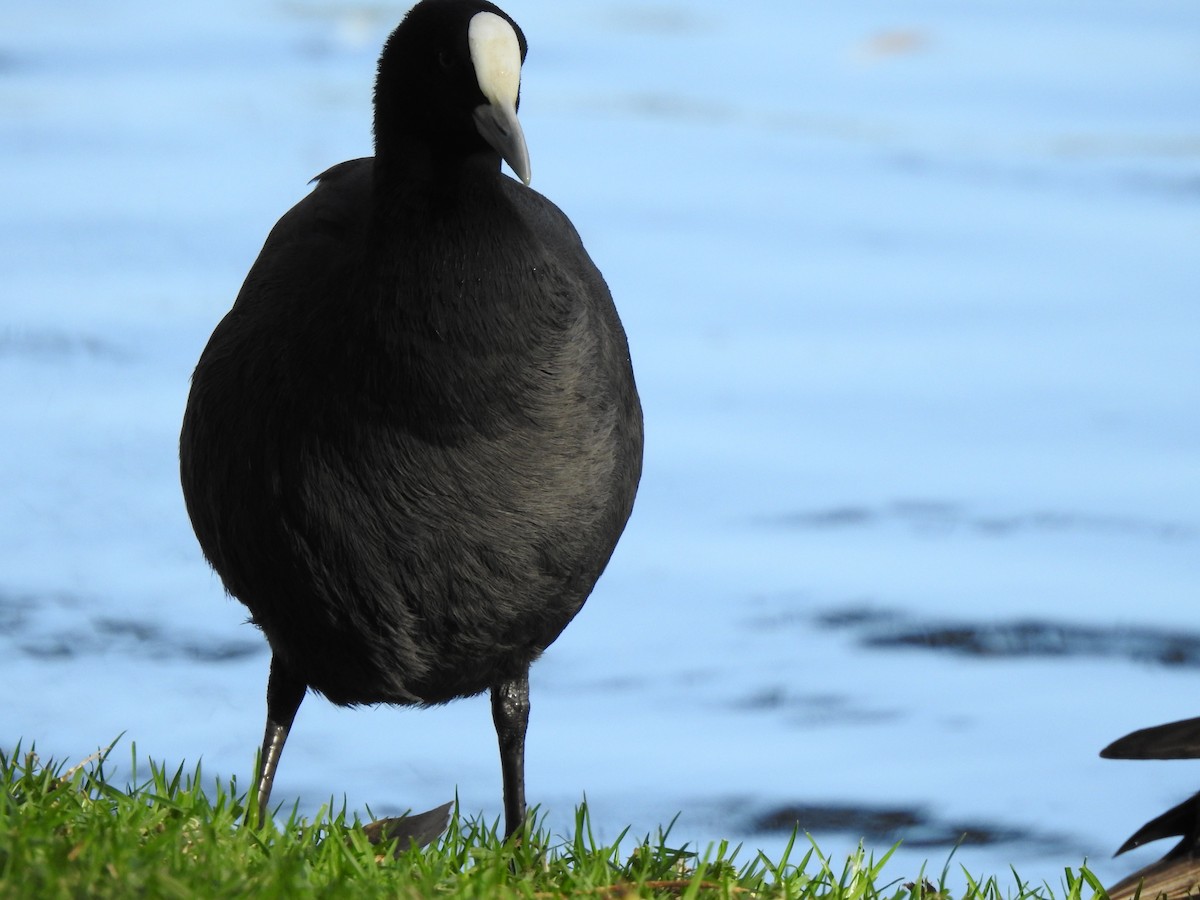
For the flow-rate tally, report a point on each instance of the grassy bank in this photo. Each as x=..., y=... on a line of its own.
x=69, y=832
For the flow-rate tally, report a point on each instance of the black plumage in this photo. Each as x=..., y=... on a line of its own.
x=411, y=446
x=1178, y=872
x=1175, y=740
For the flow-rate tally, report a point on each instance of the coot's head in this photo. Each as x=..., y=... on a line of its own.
x=449, y=83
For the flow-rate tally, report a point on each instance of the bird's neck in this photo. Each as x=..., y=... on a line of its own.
x=414, y=176
x=474, y=261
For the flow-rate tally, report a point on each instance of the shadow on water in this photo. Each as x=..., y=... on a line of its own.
x=936, y=518
x=55, y=346
x=48, y=627
x=885, y=825
x=878, y=628
x=814, y=709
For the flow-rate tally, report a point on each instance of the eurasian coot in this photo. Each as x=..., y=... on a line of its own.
x=412, y=444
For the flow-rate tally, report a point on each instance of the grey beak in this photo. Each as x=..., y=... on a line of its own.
x=500, y=128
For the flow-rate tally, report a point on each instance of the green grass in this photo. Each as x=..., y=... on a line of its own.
x=69, y=832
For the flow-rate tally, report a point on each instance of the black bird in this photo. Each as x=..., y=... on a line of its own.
x=1177, y=873
x=412, y=444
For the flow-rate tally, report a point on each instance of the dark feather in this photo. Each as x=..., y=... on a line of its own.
x=1175, y=740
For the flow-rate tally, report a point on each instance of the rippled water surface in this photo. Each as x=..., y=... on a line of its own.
x=912, y=291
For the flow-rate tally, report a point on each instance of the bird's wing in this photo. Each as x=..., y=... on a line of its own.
x=1181, y=821
x=316, y=240
x=1175, y=740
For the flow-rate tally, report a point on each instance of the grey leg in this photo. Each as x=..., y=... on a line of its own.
x=510, y=712
x=284, y=693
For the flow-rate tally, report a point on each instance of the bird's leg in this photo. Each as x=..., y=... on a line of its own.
x=510, y=712
x=284, y=693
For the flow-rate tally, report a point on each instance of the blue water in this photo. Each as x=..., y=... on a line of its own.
x=912, y=295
